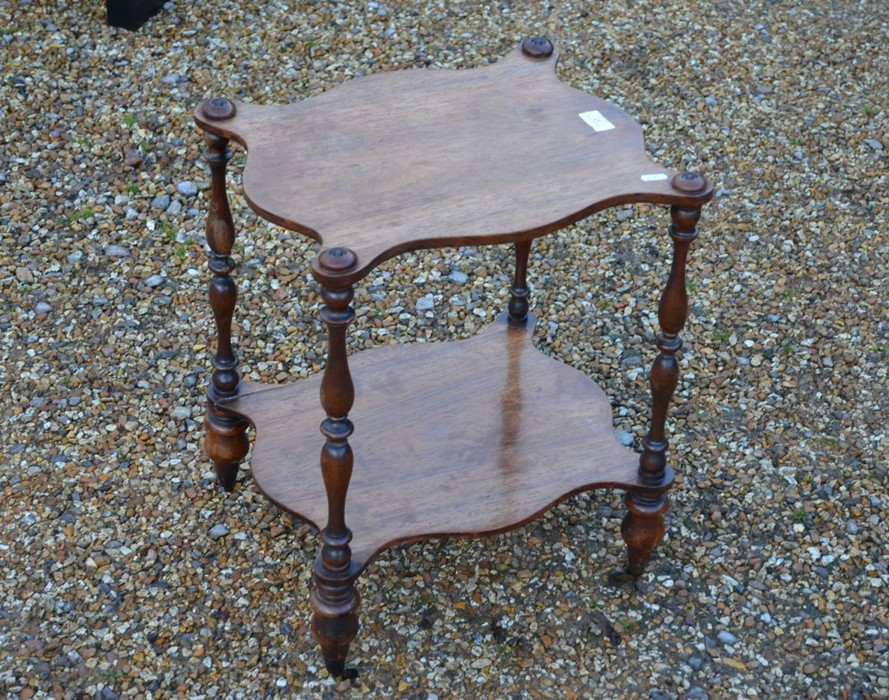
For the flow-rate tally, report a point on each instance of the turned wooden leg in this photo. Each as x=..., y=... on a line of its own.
x=334, y=598
x=643, y=527
x=519, y=292
x=226, y=442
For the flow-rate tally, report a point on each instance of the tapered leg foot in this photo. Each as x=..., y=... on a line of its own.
x=335, y=632
x=642, y=530
x=226, y=444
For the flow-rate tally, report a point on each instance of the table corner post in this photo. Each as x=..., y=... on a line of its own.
x=647, y=504
x=334, y=598
x=226, y=440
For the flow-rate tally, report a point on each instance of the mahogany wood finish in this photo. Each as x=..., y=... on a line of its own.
x=443, y=446
x=643, y=526
x=427, y=159
x=226, y=441
x=449, y=439
x=334, y=598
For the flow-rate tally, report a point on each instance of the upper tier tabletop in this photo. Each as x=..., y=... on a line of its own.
x=433, y=158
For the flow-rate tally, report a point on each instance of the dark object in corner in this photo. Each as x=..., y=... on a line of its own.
x=131, y=14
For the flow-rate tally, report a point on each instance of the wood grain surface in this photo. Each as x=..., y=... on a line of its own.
x=450, y=439
x=432, y=158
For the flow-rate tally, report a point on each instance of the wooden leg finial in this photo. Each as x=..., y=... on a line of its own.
x=226, y=442
x=334, y=598
x=643, y=527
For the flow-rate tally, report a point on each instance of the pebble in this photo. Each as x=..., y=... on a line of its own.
x=42, y=307
x=175, y=208
x=458, y=277
x=24, y=275
x=696, y=693
x=874, y=144
x=162, y=201
x=218, y=531
x=187, y=188
x=624, y=214
x=726, y=637
x=426, y=303
x=117, y=251
x=154, y=281
x=181, y=412
x=623, y=437
x=132, y=157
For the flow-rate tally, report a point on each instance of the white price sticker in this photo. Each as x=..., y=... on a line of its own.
x=596, y=120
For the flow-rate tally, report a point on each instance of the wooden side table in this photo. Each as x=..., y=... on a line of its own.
x=449, y=439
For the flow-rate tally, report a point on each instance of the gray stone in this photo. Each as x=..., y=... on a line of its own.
x=187, y=188
x=218, y=531
x=181, y=412
x=130, y=213
x=623, y=437
x=162, y=201
x=624, y=214
x=874, y=144
x=155, y=281
x=42, y=307
x=726, y=637
x=175, y=207
x=117, y=251
x=696, y=662
x=426, y=303
x=458, y=277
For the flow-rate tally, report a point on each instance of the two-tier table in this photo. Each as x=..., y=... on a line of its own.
x=447, y=439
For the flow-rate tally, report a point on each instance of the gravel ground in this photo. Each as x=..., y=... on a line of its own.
x=126, y=573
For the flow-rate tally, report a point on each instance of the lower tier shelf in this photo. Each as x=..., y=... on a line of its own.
x=451, y=439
